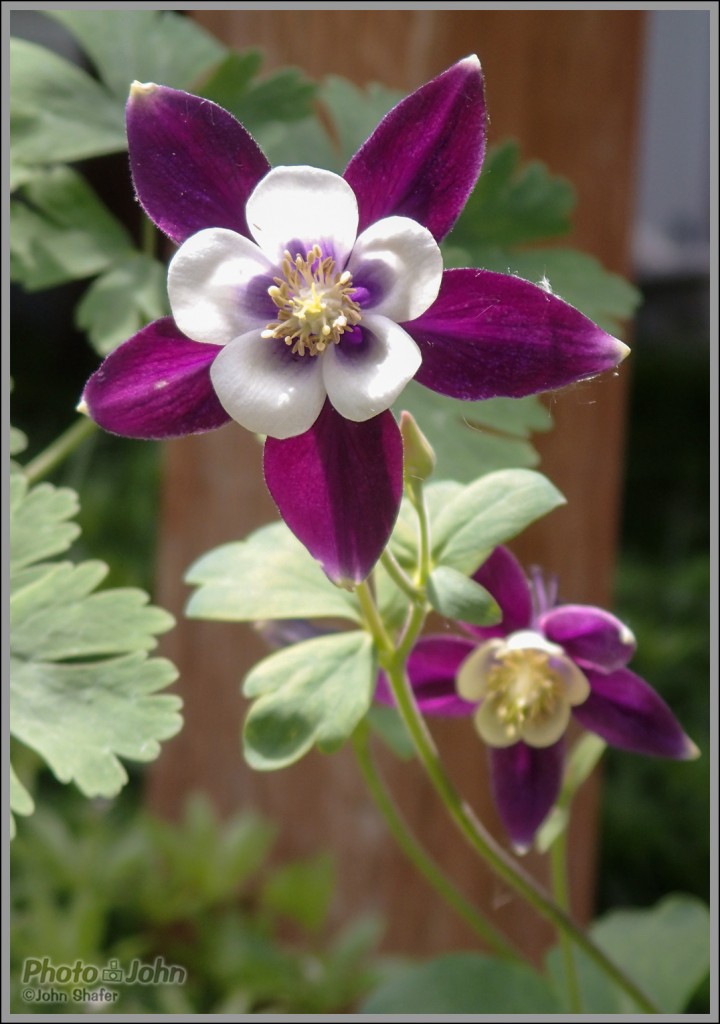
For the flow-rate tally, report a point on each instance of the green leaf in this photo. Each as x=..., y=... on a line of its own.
x=57, y=617
x=80, y=715
x=489, y=512
x=60, y=231
x=58, y=113
x=302, y=891
x=456, y=596
x=464, y=983
x=404, y=540
x=20, y=800
x=355, y=112
x=389, y=726
x=270, y=575
x=121, y=301
x=474, y=437
x=39, y=524
x=514, y=204
x=314, y=692
x=606, y=298
x=664, y=949
x=18, y=441
x=157, y=46
x=283, y=96
x=81, y=718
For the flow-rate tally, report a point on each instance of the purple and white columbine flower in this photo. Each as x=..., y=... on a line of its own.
x=303, y=302
x=525, y=678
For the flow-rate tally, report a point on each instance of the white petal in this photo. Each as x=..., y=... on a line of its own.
x=545, y=731
x=363, y=383
x=471, y=682
x=492, y=729
x=401, y=261
x=265, y=388
x=303, y=205
x=217, y=286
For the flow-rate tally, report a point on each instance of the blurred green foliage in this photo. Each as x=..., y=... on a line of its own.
x=101, y=883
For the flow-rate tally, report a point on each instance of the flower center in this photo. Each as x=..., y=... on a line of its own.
x=524, y=689
x=314, y=304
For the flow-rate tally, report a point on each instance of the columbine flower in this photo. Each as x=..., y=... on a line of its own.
x=303, y=302
x=523, y=679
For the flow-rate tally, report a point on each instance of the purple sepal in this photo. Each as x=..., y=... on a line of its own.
x=338, y=487
x=628, y=713
x=489, y=335
x=156, y=386
x=526, y=783
x=432, y=668
x=193, y=165
x=502, y=577
x=591, y=636
x=423, y=159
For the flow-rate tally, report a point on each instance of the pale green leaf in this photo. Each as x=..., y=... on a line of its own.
x=463, y=983
x=18, y=441
x=389, y=726
x=143, y=45
x=514, y=203
x=82, y=717
x=39, y=524
x=121, y=301
x=458, y=597
x=270, y=575
x=489, y=512
x=57, y=617
x=60, y=231
x=20, y=800
x=283, y=96
x=58, y=113
x=355, y=112
x=665, y=949
x=404, y=540
x=470, y=438
x=312, y=693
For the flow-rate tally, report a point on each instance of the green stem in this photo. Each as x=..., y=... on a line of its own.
x=558, y=869
x=59, y=449
x=420, y=858
x=483, y=843
x=148, y=237
x=398, y=575
x=373, y=621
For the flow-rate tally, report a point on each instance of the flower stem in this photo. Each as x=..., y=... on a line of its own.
x=420, y=858
x=484, y=844
x=59, y=449
x=398, y=575
x=558, y=868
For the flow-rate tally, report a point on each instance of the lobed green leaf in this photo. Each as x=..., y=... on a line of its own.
x=489, y=512
x=122, y=300
x=459, y=983
x=270, y=575
x=665, y=949
x=312, y=693
x=61, y=231
x=456, y=596
x=145, y=45
x=514, y=203
x=58, y=113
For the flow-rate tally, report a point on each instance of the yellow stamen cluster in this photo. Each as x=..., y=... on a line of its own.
x=314, y=304
x=523, y=689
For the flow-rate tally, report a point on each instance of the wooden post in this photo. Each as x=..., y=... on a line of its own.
x=566, y=85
